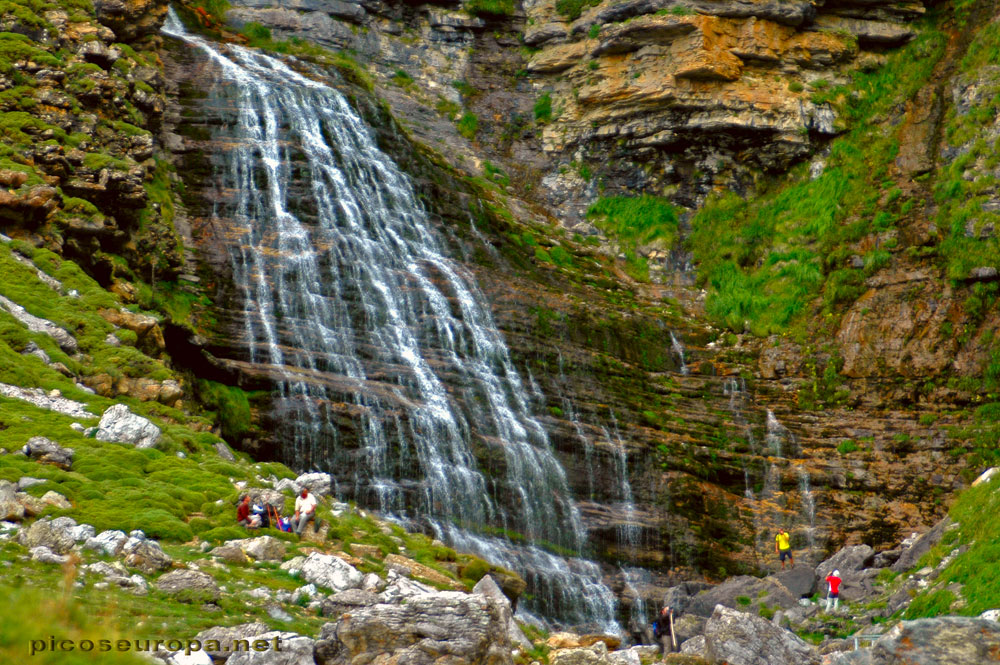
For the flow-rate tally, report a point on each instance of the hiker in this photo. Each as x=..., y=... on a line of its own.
x=243, y=511
x=663, y=630
x=783, y=548
x=833, y=596
x=305, y=510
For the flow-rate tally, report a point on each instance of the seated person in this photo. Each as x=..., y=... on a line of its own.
x=243, y=511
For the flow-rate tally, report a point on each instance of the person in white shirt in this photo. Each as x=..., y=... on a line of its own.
x=305, y=510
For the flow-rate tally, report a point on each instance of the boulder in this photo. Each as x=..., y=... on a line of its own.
x=595, y=654
x=44, y=532
x=915, y=550
x=24, y=482
x=107, y=542
x=443, y=627
x=738, y=638
x=319, y=484
x=132, y=19
x=799, y=580
x=262, y=496
x=56, y=499
x=10, y=507
x=146, y=555
x=225, y=635
x=48, y=451
x=420, y=570
x=847, y=560
x=400, y=588
x=487, y=587
x=347, y=601
x=120, y=425
x=82, y=532
x=284, y=649
x=263, y=548
x=189, y=586
x=688, y=625
x=952, y=640
x=231, y=553
x=694, y=646
x=742, y=592
x=45, y=555
x=332, y=572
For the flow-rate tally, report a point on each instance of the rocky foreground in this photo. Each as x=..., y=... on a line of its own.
x=411, y=613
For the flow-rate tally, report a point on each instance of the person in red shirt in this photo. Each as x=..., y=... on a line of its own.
x=833, y=597
x=243, y=511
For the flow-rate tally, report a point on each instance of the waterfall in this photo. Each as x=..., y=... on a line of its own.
x=808, y=506
x=348, y=299
x=679, y=350
x=628, y=529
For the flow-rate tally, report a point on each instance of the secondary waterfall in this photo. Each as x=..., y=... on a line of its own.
x=348, y=296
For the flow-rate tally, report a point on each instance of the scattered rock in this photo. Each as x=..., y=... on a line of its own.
x=443, y=627
x=227, y=634
x=45, y=555
x=263, y=548
x=737, y=638
x=65, y=341
x=189, y=586
x=347, y=601
x=43, y=532
x=10, y=507
x=914, y=551
x=48, y=451
x=319, y=484
x=487, y=587
x=146, y=555
x=292, y=649
x=120, y=425
x=331, y=572
x=951, y=640
x=107, y=542
x=799, y=580
x=224, y=451
x=736, y=591
x=56, y=499
x=231, y=553
x=848, y=560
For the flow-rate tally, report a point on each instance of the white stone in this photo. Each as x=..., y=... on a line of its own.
x=107, y=542
x=120, y=425
x=986, y=475
x=331, y=572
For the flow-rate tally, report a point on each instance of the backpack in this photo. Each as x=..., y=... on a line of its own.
x=657, y=633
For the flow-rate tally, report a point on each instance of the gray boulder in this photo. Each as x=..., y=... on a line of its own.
x=328, y=571
x=48, y=451
x=694, y=646
x=487, y=587
x=107, y=542
x=225, y=635
x=262, y=548
x=10, y=507
x=43, y=532
x=319, y=484
x=231, y=553
x=45, y=555
x=189, y=586
x=347, y=601
x=120, y=425
x=738, y=638
x=799, y=580
x=283, y=649
x=443, y=627
x=915, y=550
x=743, y=592
x=951, y=640
x=847, y=560
x=146, y=555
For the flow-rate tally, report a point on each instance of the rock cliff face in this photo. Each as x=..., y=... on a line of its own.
x=718, y=446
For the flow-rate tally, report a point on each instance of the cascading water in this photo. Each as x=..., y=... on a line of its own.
x=348, y=296
x=679, y=350
x=808, y=507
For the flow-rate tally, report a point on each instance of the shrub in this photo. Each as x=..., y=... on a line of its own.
x=490, y=7
x=543, y=107
x=847, y=446
x=475, y=570
x=468, y=125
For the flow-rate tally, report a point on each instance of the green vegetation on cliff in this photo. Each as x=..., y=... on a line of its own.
x=766, y=259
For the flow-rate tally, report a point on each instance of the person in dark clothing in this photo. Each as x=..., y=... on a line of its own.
x=663, y=630
x=243, y=511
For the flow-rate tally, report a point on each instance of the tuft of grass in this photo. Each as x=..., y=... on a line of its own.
x=489, y=8
x=468, y=125
x=543, y=107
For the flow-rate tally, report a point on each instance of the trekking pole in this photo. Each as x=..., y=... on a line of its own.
x=673, y=637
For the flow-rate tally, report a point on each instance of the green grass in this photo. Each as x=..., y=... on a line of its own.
x=572, y=9
x=468, y=125
x=489, y=8
x=977, y=512
x=847, y=446
x=636, y=220
x=765, y=261
x=543, y=107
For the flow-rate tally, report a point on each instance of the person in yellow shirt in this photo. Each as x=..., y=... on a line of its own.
x=783, y=547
